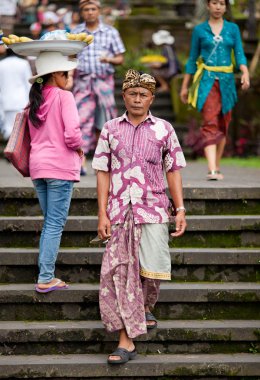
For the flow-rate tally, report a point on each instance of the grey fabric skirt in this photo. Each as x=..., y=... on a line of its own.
x=154, y=255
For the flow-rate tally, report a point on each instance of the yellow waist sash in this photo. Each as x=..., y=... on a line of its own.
x=193, y=91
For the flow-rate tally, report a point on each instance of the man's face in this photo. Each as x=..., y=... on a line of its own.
x=90, y=13
x=138, y=101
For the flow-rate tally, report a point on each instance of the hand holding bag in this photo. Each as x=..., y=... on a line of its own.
x=17, y=150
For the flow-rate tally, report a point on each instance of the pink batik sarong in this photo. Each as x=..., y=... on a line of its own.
x=123, y=293
x=94, y=96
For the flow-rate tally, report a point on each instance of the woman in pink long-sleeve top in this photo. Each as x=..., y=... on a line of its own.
x=55, y=157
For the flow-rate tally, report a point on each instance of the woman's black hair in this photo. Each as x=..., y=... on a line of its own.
x=36, y=99
x=226, y=1
x=228, y=14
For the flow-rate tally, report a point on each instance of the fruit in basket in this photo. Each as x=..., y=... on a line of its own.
x=84, y=37
x=14, y=38
x=153, y=58
x=6, y=40
x=89, y=39
x=71, y=36
x=25, y=39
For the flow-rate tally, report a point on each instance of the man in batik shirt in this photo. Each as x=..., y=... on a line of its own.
x=93, y=80
x=132, y=154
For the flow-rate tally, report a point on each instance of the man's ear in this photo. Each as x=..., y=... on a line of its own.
x=152, y=100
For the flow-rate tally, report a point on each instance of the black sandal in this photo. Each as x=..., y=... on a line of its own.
x=124, y=354
x=150, y=317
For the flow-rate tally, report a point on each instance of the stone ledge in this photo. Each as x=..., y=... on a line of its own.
x=170, y=292
x=178, y=330
x=84, y=191
x=152, y=365
x=93, y=256
x=206, y=223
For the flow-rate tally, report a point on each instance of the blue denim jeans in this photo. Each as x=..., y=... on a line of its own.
x=54, y=197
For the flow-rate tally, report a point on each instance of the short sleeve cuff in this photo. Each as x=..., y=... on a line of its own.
x=101, y=163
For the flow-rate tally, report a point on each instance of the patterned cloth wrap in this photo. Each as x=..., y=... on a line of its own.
x=94, y=96
x=123, y=292
x=82, y=3
x=135, y=79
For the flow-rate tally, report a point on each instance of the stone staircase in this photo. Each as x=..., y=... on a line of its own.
x=209, y=314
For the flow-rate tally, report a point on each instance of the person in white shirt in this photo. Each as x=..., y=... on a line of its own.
x=8, y=9
x=14, y=88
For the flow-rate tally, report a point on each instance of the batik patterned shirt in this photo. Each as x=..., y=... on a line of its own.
x=136, y=157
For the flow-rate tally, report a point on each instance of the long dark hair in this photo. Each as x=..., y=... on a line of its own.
x=226, y=2
x=36, y=99
x=228, y=8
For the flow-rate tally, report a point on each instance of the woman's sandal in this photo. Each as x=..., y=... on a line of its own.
x=124, y=355
x=55, y=286
x=150, y=317
x=214, y=175
x=220, y=175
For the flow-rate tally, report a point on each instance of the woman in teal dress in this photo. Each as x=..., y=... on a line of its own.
x=213, y=91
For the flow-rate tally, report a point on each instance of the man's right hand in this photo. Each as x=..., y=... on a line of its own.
x=104, y=227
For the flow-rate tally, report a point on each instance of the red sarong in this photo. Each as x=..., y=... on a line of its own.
x=215, y=124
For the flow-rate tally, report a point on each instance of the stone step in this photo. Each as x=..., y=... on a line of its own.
x=176, y=301
x=83, y=265
x=87, y=190
x=150, y=366
x=177, y=292
x=237, y=201
x=202, y=231
x=89, y=223
x=171, y=337
x=93, y=256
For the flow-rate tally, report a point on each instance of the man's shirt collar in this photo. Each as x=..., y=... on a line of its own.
x=148, y=117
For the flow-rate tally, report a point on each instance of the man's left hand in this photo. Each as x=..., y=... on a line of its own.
x=180, y=223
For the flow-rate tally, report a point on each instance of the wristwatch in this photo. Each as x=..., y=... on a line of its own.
x=181, y=208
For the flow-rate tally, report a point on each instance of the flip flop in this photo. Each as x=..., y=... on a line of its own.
x=212, y=176
x=150, y=317
x=51, y=288
x=124, y=354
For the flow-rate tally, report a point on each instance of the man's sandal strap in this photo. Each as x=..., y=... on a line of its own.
x=124, y=354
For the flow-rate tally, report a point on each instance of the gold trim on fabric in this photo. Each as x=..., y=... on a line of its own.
x=155, y=275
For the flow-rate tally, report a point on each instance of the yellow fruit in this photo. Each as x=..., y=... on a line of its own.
x=82, y=36
x=72, y=37
x=14, y=37
x=6, y=40
x=25, y=39
x=89, y=39
x=78, y=37
x=13, y=41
